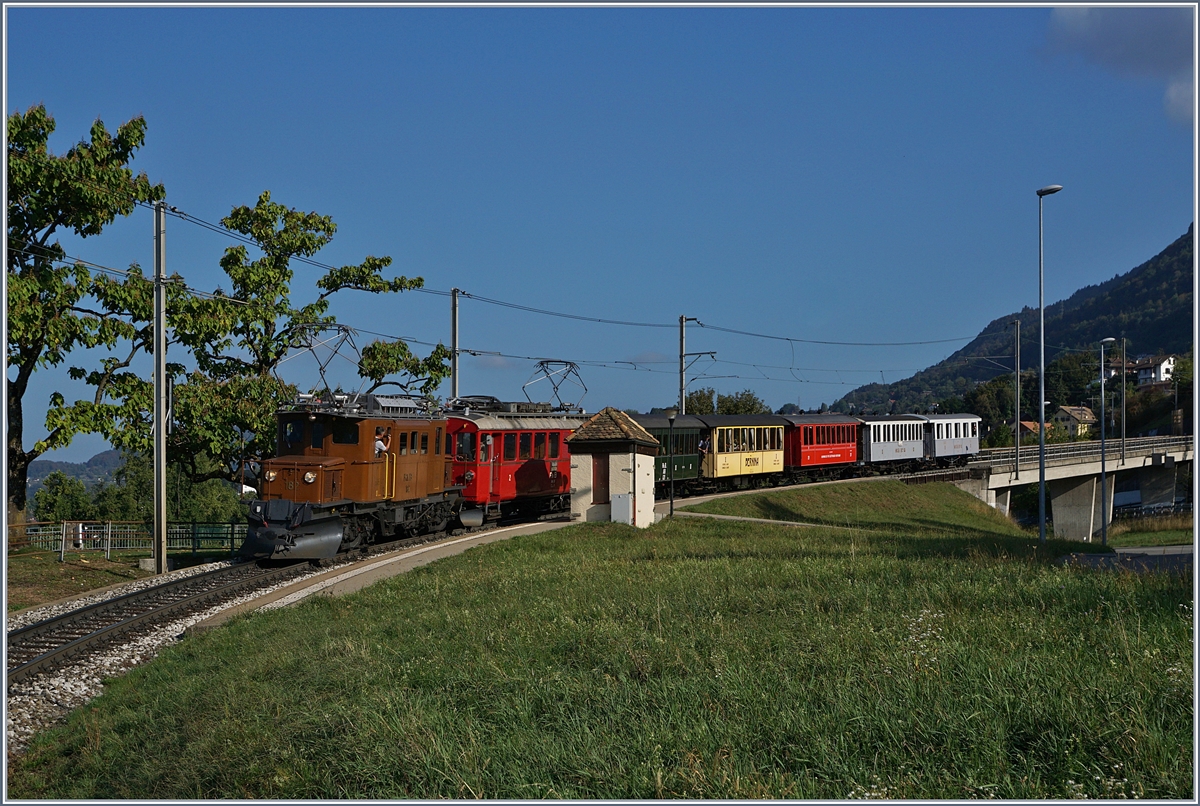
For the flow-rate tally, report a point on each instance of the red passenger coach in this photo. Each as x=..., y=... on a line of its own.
x=817, y=440
x=509, y=458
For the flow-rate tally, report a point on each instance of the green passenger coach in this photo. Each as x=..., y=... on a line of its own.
x=687, y=432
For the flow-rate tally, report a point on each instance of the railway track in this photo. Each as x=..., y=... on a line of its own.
x=67, y=637
x=43, y=646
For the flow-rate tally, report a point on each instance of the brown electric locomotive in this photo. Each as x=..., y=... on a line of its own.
x=351, y=470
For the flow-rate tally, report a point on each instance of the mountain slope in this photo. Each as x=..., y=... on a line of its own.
x=1150, y=305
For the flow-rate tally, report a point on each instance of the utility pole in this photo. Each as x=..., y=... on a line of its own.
x=1124, y=382
x=682, y=384
x=1017, y=406
x=453, y=343
x=160, y=388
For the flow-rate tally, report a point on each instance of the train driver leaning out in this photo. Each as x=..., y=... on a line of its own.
x=383, y=440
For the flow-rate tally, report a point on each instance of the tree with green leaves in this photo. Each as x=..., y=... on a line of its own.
x=702, y=401
x=223, y=411
x=743, y=402
x=62, y=498
x=56, y=305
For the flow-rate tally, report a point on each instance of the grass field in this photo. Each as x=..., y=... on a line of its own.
x=699, y=658
x=37, y=577
x=1171, y=531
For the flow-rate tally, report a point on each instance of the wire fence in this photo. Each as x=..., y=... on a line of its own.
x=123, y=536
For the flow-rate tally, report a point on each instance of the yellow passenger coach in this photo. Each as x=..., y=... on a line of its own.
x=743, y=445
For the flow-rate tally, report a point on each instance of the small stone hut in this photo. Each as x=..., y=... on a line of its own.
x=612, y=470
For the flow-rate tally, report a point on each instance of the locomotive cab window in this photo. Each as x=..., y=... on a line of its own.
x=424, y=443
x=524, y=442
x=554, y=445
x=345, y=432
x=539, y=446
x=510, y=447
x=291, y=436
x=318, y=435
x=403, y=448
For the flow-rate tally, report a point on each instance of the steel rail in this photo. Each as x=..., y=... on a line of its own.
x=118, y=616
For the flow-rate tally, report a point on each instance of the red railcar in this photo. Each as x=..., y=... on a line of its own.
x=509, y=458
x=820, y=440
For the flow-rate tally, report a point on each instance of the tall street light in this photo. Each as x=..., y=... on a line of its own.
x=672, y=413
x=1046, y=191
x=1103, y=479
x=1017, y=403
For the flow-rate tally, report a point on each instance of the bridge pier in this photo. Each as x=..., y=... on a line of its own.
x=1157, y=484
x=1003, y=501
x=1075, y=503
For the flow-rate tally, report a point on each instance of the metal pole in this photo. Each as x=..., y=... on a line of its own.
x=1103, y=479
x=108, y=540
x=682, y=394
x=1042, y=193
x=62, y=546
x=1041, y=388
x=1017, y=407
x=160, y=389
x=453, y=343
x=671, y=459
x=1124, y=382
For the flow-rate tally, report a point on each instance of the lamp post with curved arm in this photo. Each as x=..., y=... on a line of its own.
x=1042, y=193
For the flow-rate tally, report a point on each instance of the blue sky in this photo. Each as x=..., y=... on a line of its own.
x=827, y=174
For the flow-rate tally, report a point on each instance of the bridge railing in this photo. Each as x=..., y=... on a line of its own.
x=1140, y=446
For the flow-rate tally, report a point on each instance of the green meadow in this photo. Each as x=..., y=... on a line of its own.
x=928, y=651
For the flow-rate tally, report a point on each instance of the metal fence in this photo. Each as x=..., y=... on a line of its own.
x=110, y=536
x=1137, y=512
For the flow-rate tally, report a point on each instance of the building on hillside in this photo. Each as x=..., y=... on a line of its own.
x=612, y=470
x=1077, y=420
x=1029, y=428
x=1155, y=372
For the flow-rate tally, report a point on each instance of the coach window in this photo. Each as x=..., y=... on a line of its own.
x=956, y=431
x=318, y=434
x=525, y=440
x=539, y=446
x=345, y=432
x=412, y=443
x=974, y=428
x=510, y=447
x=403, y=447
x=553, y=444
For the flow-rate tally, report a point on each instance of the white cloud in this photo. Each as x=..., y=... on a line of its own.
x=1181, y=100
x=1142, y=42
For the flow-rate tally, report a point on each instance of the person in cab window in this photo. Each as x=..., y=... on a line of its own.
x=383, y=440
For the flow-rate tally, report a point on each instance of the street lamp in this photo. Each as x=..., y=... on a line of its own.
x=1017, y=402
x=1103, y=479
x=1046, y=191
x=672, y=413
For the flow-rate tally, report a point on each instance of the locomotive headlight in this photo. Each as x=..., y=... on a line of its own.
x=270, y=475
x=310, y=477
x=469, y=476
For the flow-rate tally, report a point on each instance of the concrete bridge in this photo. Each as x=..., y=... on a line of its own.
x=1073, y=477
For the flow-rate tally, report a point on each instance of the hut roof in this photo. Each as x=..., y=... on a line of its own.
x=612, y=424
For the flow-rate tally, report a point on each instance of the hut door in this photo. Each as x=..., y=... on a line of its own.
x=600, y=478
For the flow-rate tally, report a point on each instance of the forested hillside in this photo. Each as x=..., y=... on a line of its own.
x=1151, y=306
